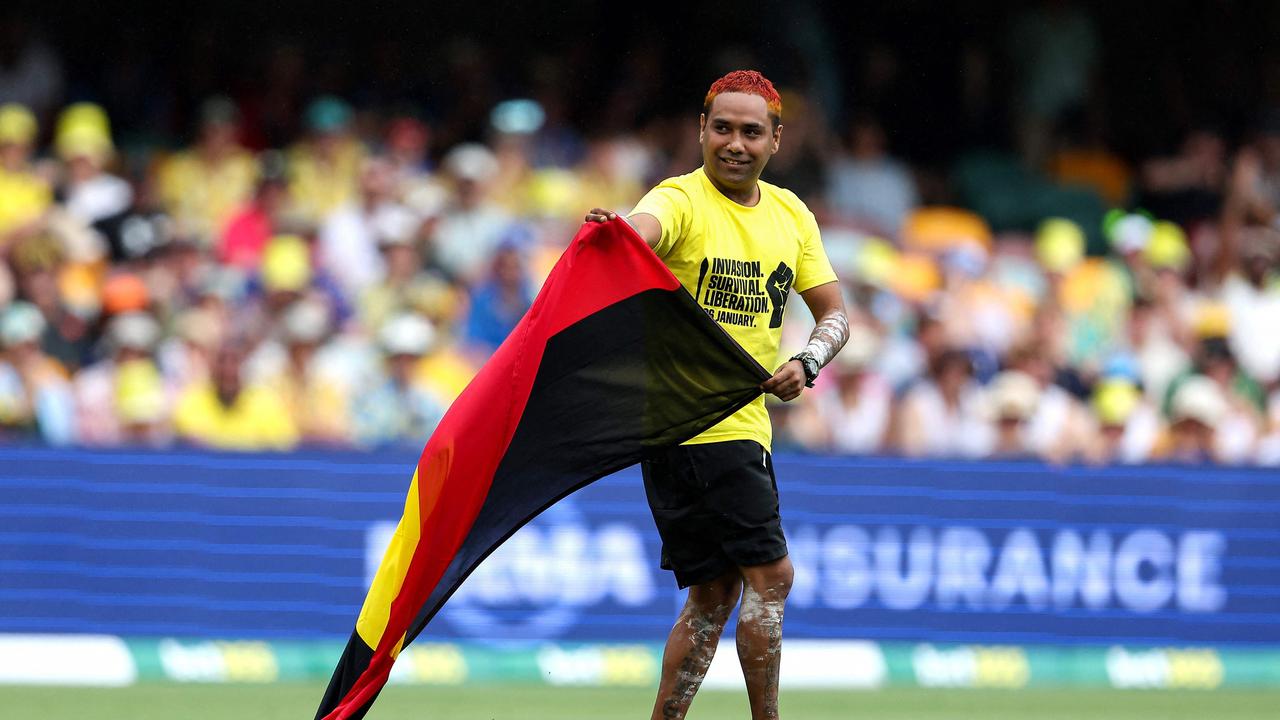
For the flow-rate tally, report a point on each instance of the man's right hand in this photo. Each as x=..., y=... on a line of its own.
x=645, y=225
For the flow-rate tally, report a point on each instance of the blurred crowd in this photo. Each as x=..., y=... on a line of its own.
x=340, y=282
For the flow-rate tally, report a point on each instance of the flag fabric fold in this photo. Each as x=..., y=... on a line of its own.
x=613, y=359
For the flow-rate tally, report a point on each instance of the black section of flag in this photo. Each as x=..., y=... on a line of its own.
x=354, y=660
x=648, y=372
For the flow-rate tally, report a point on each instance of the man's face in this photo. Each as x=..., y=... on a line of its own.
x=402, y=261
x=737, y=139
x=14, y=156
x=218, y=137
x=226, y=373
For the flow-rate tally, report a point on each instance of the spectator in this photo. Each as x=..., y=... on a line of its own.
x=498, y=302
x=1129, y=235
x=1092, y=295
x=249, y=230
x=1252, y=297
x=1239, y=418
x=35, y=397
x=84, y=144
x=1013, y=397
x=614, y=171
x=143, y=405
x=1129, y=426
x=975, y=308
x=399, y=409
x=201, y=188
x=299, y=367
x=349, y=237
x=855, y=414
x=1195, y=412
x=403, y=284
x=1056, y=425
x=24, y=195
x=866, y=188
x=288, y=274
x=224, y=413
x=942, y=415
x=408, y=143
x=1155, y=344
x=472, y=225
x=905, y=357
x=186, y=357
x=131, y=340
x=324, y=168
x=175, y=271
x=42, y=273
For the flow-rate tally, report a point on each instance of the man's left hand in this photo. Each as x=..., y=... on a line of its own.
x=788, y=382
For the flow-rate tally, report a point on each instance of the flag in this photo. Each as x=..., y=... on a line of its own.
x=613, y=359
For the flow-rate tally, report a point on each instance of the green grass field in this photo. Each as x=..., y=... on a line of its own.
x=268, y=702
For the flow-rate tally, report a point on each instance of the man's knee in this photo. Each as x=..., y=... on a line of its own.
x=772, y=580
x=716, y=598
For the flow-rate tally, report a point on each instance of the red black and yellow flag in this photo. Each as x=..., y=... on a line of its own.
x=613, y=359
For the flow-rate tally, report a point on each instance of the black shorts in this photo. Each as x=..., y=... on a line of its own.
x=716, y=507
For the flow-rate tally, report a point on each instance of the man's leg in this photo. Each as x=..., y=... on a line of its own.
x=760, y=633
x=692, y=643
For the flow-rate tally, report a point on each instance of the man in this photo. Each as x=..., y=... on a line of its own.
x=24, y=195
x=224, y=413
x=203, y=187
x=738, y=245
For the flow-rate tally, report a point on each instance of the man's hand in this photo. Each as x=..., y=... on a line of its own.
x=788, y=382
x=645, y=225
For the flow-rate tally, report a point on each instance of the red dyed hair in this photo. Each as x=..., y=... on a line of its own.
x=751, y=83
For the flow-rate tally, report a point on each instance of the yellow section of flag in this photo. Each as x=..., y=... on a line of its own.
x=391, y=573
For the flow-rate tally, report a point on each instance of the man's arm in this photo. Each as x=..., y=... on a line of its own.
x=645, y=225
x=828, y=336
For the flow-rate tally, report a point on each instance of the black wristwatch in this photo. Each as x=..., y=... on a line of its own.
x=810, y=364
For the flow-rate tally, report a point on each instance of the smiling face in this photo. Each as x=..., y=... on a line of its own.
x=738, y=137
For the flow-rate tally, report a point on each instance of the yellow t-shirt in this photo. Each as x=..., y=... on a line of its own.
x=202, y=197
x=740, y=263
x=23, y=197
x=317, y=188
x=258, y=420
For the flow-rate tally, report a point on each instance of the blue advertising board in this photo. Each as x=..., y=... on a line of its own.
x=199, y=544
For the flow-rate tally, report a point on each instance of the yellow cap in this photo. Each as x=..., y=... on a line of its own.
x=1114, y=401
x=84, y=131
x=139, y=392
x=84, y=114
x=1059, y=244
x=84, y=142
x=286, y=264
x=1167, y=247
x=17, y=124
